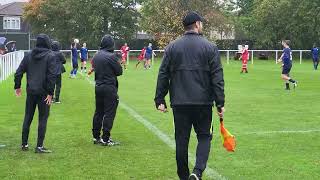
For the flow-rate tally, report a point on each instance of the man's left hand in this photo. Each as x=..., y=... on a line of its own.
x=221, y=112
x=48, y=100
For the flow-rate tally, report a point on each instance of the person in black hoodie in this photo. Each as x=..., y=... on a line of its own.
x=106, y=67
x=40, y=67
x=191, y=70
x=60, y=61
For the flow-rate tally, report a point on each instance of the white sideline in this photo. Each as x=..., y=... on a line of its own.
x=282, y=132
x=165, y=138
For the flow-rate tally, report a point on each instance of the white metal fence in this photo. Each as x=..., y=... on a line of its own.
x=9, y=63
x=226, y=55
x=298, y=55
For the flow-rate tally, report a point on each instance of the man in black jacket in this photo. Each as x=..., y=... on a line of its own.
x=106, y=67
x=191, y=70
x=60, y=61
x=40, y=66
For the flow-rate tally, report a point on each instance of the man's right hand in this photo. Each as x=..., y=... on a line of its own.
x=162, y=108
x=18, y=92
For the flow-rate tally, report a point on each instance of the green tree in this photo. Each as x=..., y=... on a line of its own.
x=87, y=20
x=267, y=22
x=163, y=19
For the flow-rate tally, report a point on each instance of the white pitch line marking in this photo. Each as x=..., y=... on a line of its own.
x=282, y=132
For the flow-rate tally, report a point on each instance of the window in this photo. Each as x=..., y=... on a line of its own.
x=11, y=23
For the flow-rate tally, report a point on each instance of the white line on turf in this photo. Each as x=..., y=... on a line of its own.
x=282, y=132
x=165, y=138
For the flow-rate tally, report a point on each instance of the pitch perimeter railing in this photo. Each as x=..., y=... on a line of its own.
x=227, y=55
x=9, y=63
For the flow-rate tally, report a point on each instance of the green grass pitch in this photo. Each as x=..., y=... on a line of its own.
x=277, y=131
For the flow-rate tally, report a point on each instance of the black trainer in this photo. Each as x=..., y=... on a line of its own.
x=96, y=141
x=295, y=84
x=194, y=176
x=25, y=147
x=42, y=150
x=110, y=142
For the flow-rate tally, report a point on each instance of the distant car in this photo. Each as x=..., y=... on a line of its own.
x=263, y=56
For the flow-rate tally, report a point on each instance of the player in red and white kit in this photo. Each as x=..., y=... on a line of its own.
x=141, y=56
x=124, y=52
x=244, y=57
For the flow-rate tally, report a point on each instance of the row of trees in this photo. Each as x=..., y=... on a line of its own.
x=88, y=20
x=264, y=22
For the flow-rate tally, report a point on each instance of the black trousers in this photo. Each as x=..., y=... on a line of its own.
x=106, y=107
x=58, y=88
x=44, y=109
x=200, y=117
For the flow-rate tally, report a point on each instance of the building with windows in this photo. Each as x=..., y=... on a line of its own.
x=12, y=26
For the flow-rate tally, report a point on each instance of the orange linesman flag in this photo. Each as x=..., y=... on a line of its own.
x=228, y=140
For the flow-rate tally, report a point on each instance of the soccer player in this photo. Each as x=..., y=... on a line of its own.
x=244, y=57
x=141, y=56
x=315, y=56
x=286, y=59
x=148, y=56
x=74, y=53
x=124, y=52
x=84, y=57
x=106, y=67
x=40, y=67
x=60, y=60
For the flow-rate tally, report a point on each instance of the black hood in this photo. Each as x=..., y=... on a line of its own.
x=43, y=41
x=107, y=43
x=55, y=46
x=43, y=46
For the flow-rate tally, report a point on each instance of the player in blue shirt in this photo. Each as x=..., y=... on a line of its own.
x=74, y=56
x=286, y=59
x=84, y=57
x=148, y=56
x=315, y=56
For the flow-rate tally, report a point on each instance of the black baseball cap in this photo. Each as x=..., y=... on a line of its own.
x=191, y=18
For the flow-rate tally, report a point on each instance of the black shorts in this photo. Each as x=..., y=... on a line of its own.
x=83, y=60
x=315, y=59
x=286, y=69
x=148, y=56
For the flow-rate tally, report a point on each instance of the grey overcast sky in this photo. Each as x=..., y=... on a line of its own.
x=10, y=1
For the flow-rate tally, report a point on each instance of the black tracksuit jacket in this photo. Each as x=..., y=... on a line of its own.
x=60, y=59
x=106, y=65
x=40, y=66
x=191, y=71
